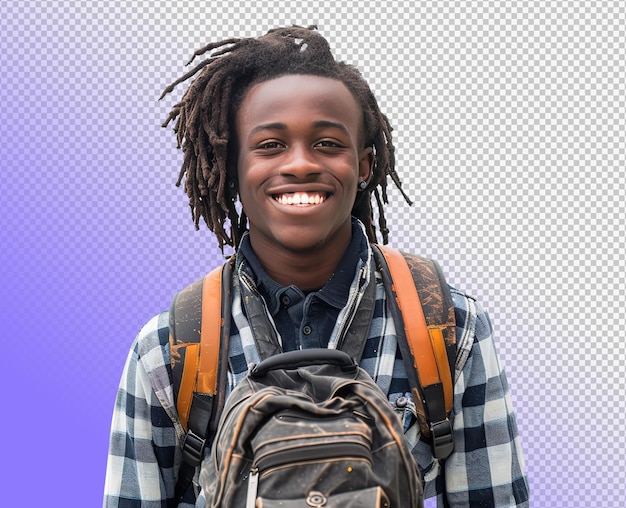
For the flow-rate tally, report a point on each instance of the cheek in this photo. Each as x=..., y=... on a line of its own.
x=248, y=193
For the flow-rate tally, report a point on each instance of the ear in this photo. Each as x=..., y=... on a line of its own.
x=366, y=163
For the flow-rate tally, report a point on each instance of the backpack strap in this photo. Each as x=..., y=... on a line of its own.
x=199, y=335
x=421, y=299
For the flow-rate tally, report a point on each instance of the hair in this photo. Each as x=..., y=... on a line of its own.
x=205, y=129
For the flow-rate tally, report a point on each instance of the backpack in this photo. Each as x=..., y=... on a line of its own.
x=310, y=428
x=421, y=306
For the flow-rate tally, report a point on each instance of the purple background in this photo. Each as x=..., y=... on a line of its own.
x=513, y=118
x=95, y=240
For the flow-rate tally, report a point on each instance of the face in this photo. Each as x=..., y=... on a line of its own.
x=300, y=158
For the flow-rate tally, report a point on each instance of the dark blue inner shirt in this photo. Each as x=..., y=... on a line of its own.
x=307, y=320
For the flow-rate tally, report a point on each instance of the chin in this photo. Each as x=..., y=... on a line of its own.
x=302, y=245
x=301, y=239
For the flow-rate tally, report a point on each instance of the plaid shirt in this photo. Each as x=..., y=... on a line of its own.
x=486, y=468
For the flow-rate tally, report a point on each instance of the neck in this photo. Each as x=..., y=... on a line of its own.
x=307, y=270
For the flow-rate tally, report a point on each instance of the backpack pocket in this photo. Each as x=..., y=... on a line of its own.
x=296, y=454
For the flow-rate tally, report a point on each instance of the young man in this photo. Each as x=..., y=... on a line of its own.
x=283, y=148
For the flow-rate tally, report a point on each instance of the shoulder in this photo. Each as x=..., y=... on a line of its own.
x=153, y=337
x=151, y=350
x=473, y=329
x=470, y=315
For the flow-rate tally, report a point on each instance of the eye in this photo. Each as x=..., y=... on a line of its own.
x=327, y=143
x=269, y=146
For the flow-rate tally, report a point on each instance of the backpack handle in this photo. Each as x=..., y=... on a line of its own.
x=303, y=358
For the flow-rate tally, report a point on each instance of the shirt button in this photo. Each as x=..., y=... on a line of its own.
x=307, y=330
x=402, y=402
x=285, y=300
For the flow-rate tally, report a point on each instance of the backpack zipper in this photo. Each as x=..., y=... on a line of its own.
x=311, y=453
x=253, y=487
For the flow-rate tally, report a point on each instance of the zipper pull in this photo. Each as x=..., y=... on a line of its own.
x=253, y=487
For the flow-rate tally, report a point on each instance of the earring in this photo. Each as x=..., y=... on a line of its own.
x=362, y=185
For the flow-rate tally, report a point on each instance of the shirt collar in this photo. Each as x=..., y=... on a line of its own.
x=335, y=291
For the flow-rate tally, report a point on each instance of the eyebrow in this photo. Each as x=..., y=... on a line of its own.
x=268, y=126
x=328, y=123
x=281, y=126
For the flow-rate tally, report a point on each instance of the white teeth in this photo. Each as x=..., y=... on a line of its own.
x=301, y=198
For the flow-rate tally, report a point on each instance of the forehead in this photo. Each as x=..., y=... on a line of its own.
x=298, y=96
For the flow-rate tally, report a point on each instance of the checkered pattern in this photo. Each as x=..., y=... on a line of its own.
x=509, y=126
x=485, y=469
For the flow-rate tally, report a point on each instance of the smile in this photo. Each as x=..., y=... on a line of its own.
x=301, y=198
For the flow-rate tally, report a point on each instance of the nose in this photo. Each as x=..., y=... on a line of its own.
x=300, y=162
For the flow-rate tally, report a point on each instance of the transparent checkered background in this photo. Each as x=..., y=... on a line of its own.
x=509, y=123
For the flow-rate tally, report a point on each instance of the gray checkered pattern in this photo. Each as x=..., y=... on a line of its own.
x=485, y=469
x=510, y=129
x=509, y=124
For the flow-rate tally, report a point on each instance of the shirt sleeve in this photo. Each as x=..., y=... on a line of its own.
x=486, y=468
x=143, y=452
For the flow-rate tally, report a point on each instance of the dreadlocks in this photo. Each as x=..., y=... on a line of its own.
x=205, y=122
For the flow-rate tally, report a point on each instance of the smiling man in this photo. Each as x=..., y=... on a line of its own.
x=284, y=148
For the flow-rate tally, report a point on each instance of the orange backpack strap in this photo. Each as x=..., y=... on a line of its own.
x=427, y=341
x=199, y=354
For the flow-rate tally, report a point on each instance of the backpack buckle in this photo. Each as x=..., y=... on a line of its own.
x=441, y=433
x=193, y=448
